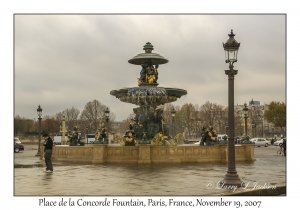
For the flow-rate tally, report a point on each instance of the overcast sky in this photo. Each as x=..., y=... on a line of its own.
x=68, y=60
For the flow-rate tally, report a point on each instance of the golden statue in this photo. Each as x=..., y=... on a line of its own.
x=139, y=81
x=150, y=78
x=129, y=137
x=160, y=139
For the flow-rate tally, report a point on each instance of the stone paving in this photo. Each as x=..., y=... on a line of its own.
x=185, y=179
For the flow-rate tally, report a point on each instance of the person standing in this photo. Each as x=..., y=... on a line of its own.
x=272, y=141
x=48, y=144
x=284, y=146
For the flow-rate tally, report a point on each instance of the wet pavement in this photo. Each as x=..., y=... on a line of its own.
x=111, y=179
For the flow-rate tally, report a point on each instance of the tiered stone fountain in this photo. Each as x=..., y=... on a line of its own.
x=148, y=125
x=148, y=128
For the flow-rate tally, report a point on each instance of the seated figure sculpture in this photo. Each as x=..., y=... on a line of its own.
x=74, y=137
x=208, y=136
x=213, y=135
x=246, y=140
x=129, y=136
x=151, y=78
x=129, y=139
x=101, y=137
x=143, y=74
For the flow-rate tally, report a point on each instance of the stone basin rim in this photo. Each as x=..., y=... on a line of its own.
x=125, y=90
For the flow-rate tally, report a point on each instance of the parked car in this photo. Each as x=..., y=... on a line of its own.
x=260, y=142
x=18, y=145
x=278, y=143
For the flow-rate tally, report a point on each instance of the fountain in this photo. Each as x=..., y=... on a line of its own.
x=148, y=126
x=148, y=129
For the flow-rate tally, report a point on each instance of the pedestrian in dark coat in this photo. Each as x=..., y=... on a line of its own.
x=284, y=146
x=48, y=144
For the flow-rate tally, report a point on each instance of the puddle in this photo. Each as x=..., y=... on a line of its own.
x=28, y=166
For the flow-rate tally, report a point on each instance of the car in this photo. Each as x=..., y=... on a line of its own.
x=18, y=145
x=260, y=142
x=278, y=143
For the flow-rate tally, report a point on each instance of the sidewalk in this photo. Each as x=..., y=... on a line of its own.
x=185, y=179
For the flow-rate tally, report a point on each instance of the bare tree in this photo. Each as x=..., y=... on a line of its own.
x=185, y=117
x=167, y=114
x=92, y=113
x=48, y=124
x=28, y=125
x=71, y=115
x=58, y=121
x=18, y=124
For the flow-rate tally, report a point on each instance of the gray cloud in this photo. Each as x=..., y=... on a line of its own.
x=68, y=60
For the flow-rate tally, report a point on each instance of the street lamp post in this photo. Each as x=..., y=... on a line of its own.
x=266, y=130
x=245, y=109
x=231, y=48
x=253, y=129
x=63, y=131
x=107, y=118
x=39, y=113
x=87, y=134
x=173, y=112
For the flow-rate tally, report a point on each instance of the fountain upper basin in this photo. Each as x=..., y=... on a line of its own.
x=148, y=95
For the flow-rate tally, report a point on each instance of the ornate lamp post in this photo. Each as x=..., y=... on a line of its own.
x=267, y=130
x=253, y=129
x=107, y=118
x=231, y=48
x=87, y=134
x=39, y=113
x=245, y=109
x=261, y=119
x=173, y=112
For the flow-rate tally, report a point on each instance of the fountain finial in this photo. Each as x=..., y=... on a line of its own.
x=148, y=47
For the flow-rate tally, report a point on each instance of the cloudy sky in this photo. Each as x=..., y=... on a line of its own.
x=68, y=60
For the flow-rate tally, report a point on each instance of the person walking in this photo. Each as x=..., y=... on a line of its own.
x=48, y=144
x=272, y=141
x=284, y=146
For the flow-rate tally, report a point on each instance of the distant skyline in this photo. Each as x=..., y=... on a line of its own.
x=68, y=60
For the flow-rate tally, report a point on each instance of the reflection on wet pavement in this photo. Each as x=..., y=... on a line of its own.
x=140, y=179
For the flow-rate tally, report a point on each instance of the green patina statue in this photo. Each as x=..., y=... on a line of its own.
x=208, y=136
x=74, y=138
x=144, y=139
x=101, y=137
x=246, y=140
x=224, y=141
x=144, y=127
